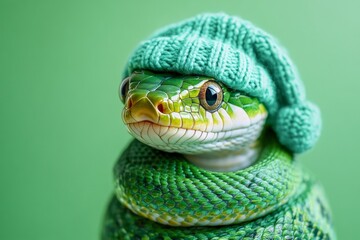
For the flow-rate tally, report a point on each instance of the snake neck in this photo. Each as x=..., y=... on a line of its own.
x=227, y=161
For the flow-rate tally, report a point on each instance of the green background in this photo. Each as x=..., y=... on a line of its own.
x=61, y=132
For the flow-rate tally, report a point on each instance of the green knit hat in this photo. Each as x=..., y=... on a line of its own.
x=244, y=58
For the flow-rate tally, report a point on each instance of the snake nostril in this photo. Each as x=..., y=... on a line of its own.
x=160, y=107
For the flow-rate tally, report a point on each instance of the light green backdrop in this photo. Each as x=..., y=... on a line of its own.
x=60, y=128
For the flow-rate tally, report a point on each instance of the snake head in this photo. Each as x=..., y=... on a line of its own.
x=189, y=114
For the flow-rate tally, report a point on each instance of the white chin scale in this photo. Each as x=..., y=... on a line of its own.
x=187, y=141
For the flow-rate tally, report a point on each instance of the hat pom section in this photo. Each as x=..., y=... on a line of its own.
x=298, y=126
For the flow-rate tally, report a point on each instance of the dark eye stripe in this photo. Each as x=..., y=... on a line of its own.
x=211, y=96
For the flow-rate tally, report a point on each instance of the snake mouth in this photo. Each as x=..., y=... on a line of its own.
x=190, y=141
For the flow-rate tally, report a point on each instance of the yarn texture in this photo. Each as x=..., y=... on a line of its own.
x=243, y=57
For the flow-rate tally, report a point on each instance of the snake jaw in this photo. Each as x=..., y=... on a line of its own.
x=227, y=129
x=189, y=141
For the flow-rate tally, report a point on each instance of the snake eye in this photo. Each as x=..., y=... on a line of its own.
x=124, y=88
x=211, y=96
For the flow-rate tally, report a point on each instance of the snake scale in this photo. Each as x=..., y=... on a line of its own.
x=206, y=165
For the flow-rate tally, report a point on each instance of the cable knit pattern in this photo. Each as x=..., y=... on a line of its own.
x=244, y=58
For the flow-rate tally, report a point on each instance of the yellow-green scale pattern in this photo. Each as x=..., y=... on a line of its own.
x=237, y=122
x=180, y=93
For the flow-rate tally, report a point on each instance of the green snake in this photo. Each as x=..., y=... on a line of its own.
x=205, y=165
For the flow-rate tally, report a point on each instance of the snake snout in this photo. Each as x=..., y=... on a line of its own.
x=144, y=110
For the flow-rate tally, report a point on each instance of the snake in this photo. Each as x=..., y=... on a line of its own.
x=205, y=164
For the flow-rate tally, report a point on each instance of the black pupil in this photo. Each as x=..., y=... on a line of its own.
x=211, y=95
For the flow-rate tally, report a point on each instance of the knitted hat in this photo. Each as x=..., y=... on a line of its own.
x=244, y=58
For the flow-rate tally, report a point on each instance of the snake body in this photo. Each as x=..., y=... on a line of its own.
x=165, y=189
